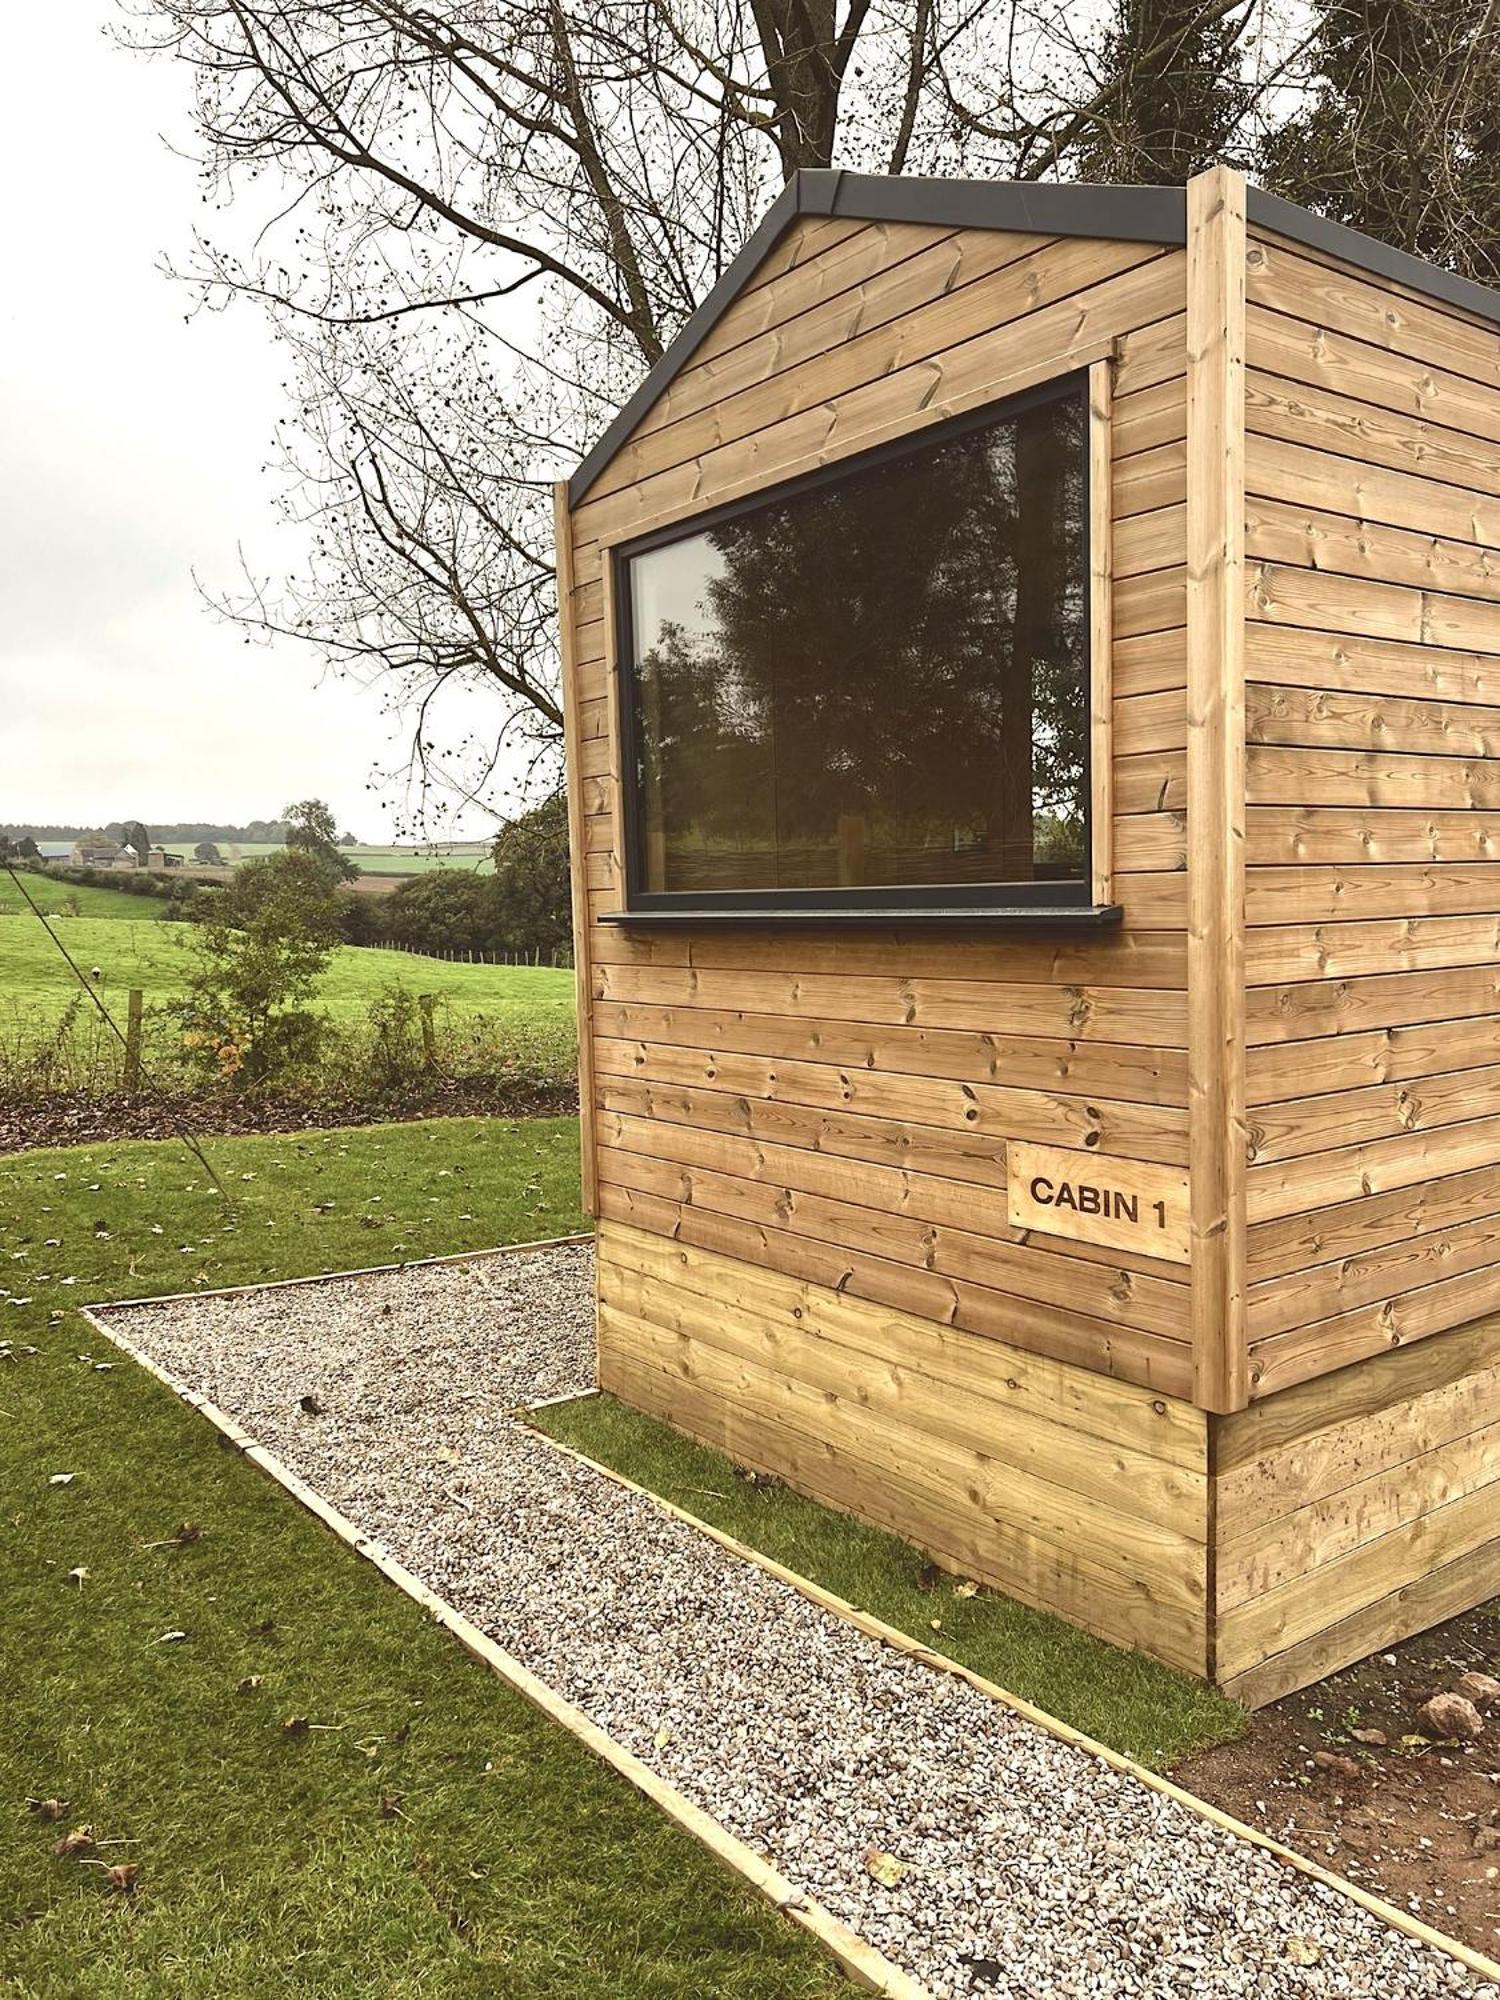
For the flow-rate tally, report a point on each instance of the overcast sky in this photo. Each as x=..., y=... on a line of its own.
x=133, y=447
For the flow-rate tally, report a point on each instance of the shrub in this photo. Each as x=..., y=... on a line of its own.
x=248, y=1019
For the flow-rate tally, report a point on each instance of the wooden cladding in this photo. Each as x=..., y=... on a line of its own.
x=1372, y=520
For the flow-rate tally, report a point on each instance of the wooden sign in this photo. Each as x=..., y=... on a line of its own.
x=1123, y=1204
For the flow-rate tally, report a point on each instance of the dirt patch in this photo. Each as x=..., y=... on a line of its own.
x=89, y=1118
x=1410, y=1819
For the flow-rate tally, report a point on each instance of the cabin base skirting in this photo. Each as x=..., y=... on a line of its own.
x=1356, y=1509
x=1347, y=1513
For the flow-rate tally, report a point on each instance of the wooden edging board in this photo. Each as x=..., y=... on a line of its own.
x=860, y=1961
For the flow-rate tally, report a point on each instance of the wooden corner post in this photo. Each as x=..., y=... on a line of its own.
x=577, y=847
x=1216, y=783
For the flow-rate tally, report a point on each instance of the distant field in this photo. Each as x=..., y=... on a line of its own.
x=155, y=957
x=61, y=899
x=472, y=855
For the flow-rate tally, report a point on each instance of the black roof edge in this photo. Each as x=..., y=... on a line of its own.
x=1368, y=253
x=1126, y=214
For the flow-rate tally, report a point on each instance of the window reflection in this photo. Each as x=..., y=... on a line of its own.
x=878, y=681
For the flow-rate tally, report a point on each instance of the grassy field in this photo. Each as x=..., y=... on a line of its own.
x=155, y=956
x=432, y=1834
x=69, y=901
x=1123, y=1699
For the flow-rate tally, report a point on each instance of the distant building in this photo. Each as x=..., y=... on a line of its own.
x=158, y=857
x=97, y=850
x=54, y=850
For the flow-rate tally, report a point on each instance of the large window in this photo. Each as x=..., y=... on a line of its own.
x=869, y=691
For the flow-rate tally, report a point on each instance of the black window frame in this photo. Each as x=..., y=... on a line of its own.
x=1019, y=905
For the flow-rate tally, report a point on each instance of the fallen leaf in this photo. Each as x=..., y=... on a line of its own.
x=123, y=1877
x=76, y=1576
x=170, y=1638
x=936, y=1624
x=967, y=1588
x=390, y=1806
x=250, y=1683
x=295, y=1725
x=61, y=1479
x=885, y=1868
x=48, y=1809
x=662, y=1737
x=74, y=1842
x=1303, y=1950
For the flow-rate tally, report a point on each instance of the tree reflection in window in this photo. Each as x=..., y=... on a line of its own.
x=879, y=680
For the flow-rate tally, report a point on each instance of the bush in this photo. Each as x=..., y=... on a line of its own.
x=446, y=909
x=249, y=1018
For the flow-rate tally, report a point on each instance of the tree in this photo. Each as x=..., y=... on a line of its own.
x=23, y=849
x=134, y=836
x=311, y=829
x=1400, y=132
x=531, y=885
x=1175, y=100
x=443, y=909
x=208, y=855
x=474, y=228
x=249, y=1019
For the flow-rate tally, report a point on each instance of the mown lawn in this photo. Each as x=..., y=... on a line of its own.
x=155, y=957
x=430, y=1834
x=1123, y=1699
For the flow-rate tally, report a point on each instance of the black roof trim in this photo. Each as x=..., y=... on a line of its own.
x=1381, y=260
x=1126, y=214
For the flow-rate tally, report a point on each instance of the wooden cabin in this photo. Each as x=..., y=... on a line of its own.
x=1032, y=674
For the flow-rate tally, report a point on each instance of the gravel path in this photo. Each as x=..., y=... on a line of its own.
x=1023, y=1867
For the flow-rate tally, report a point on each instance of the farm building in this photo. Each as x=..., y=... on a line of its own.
x=1032, y=670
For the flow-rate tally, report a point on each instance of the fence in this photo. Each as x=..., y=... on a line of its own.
x=560, y=956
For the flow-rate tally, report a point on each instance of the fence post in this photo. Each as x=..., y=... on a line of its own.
x=133, y=1039
x=429, y=1033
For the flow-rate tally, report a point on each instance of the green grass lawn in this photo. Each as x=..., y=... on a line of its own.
x=71, y=901
x=432, y=1834
x=155, y=957
x=1123, y=1699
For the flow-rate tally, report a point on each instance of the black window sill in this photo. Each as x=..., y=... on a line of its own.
x=1061, y=917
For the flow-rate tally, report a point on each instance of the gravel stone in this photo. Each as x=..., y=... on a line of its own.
x=1026, y=1868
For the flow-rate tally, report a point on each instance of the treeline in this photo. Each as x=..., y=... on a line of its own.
x=256, y=831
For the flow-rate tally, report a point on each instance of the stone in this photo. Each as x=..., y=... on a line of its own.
x=1332, y=1760
x=1482, y=1689
x=1451, y=1716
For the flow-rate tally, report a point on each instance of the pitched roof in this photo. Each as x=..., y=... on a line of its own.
x=1133, y=214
